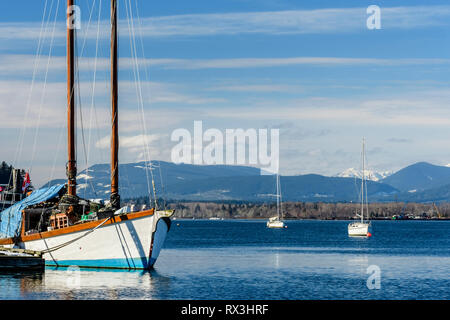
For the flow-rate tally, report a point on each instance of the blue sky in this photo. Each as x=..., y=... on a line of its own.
x=310, y=68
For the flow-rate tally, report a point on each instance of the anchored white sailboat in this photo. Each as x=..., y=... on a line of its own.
x=361, y=228
x=276, y=222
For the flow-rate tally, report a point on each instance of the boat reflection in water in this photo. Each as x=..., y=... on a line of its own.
x=73, y=283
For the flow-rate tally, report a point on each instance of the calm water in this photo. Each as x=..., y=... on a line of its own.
x=244, y=260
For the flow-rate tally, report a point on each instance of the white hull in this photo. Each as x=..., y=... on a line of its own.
x=358, y=229
x=275, y=224
x=130, y=244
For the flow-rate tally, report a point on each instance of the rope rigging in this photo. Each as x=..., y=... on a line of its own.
x=45, y=23
x=48, y=250
x=44, y=89
x=36, y=64
x=137, y=78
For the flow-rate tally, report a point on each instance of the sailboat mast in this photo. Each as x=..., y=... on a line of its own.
x=115, y=198
x=71, y=164
x=362, y=183
x=278, y=195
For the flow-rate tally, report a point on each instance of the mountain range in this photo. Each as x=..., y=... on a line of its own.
x=369, y=174
x=419, y=177
x=420, y=182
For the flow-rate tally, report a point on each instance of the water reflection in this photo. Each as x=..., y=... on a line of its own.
x=358, y=264
x=74, y=283
x=277, y=260
x=244, y=260
x=17, y=284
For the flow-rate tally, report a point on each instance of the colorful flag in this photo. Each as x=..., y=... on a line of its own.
x=26, y=182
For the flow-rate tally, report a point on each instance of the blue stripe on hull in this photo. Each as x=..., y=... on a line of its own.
x=136, y=263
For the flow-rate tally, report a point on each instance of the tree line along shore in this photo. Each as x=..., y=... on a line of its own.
x=301, y=210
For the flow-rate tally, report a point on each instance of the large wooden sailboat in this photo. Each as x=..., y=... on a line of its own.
x=71, y=231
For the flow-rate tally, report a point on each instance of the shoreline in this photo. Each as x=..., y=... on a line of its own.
x=310, y=210
x=302, y=219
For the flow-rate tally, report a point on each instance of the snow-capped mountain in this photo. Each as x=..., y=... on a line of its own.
x=370, y=174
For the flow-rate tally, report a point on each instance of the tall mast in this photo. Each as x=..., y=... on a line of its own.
x=278, y=195
x=71, y=164
x=115, y=198
x=362, y=183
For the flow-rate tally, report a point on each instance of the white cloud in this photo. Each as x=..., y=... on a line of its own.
x=330, y=20
x=406, y=109
x=23, y=65
x=47, y=104
x=132, y=142
x=50, y=108
x=259, y=88
x=289, y=61
x=139, y=147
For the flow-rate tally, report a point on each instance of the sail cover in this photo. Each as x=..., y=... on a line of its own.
x=11, y=218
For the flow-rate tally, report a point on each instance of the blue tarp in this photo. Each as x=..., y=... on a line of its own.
x=11, y=218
